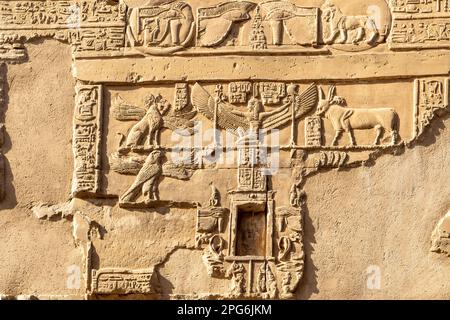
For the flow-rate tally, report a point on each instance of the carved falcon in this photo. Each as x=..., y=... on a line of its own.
x=147, y=179
x=149, y=170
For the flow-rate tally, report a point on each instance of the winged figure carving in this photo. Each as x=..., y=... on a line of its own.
x=216, y=23
x=230, y=119
x=156, y=115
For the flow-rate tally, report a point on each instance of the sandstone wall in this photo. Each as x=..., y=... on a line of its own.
x=96, y=205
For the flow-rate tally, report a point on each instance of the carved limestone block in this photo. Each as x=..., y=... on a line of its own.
x=209, y=233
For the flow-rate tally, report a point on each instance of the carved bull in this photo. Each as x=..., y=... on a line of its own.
x=349, y=119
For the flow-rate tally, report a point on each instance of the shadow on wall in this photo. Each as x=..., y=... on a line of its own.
x=434, y=131
x=7, y=191
x=308, y=285
x=165, y=286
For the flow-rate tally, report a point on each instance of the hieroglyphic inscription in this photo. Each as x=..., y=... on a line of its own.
x=89, y=26
x=431, y=98
x=181, y=96
x=313, y=131
x=122, y=281
x=271, y=92
x=420, y=24
x=419, y=6
x=421, y=32
x=86, y=139
x=238, y=91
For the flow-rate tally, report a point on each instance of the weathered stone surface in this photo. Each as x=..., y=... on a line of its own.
x=292, y=149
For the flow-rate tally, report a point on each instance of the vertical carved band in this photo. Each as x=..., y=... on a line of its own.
x=87, y=139
x=431, y=98
x=2, y=127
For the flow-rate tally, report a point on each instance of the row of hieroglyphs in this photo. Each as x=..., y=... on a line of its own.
x=236, y=26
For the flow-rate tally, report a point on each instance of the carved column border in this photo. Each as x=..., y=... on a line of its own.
x=87, y=139
x=3, y=101
x=431, y=99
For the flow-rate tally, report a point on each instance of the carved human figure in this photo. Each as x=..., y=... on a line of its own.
x=255, y=113
x=286, y=285
x=237, y=274
x=262, y=279
x=266, y=284
x=147, y=179
x=271, y=284
x=349, y=119
x=296, y=196
x=340, y=25
x=151, y=123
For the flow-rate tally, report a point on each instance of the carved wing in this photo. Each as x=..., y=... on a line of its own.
x=177, y=171
x=282, y=117
x=204, y=103
x=215, y=23
x=126, y=165
x=123, y=111
x=180, y=123
x=308, y=101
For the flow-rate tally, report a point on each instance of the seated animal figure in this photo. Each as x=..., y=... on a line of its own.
x=340, y=25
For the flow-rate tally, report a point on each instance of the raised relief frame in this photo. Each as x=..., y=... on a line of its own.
x=149, y=84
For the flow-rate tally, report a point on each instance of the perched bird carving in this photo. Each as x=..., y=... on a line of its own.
x=147, y=179
x=149, y=171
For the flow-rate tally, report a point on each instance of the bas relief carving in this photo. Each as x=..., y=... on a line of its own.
x=159, y=145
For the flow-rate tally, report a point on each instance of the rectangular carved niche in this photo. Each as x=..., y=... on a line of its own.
x=251, y=231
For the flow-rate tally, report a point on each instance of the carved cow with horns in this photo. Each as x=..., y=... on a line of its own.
x=383, y=120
